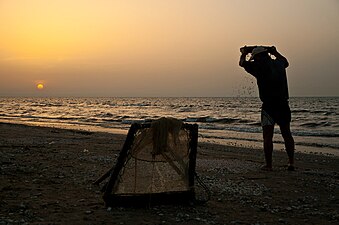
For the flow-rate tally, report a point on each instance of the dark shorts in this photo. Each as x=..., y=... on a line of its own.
x=279, y=113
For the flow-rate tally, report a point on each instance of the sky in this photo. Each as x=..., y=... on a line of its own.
x=152, y=48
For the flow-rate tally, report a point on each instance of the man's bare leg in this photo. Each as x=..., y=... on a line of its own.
x=289, y=143
x=268, y=131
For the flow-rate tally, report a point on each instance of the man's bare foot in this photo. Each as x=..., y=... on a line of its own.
x=266, y=168
x=290, y=167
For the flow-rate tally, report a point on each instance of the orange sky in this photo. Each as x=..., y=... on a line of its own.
x=162, y=48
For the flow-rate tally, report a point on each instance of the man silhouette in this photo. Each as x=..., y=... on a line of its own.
x=273, y=92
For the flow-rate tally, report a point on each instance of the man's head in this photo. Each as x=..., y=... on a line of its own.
x=258, y=52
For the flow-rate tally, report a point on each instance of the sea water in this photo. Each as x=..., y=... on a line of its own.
x=230, y=120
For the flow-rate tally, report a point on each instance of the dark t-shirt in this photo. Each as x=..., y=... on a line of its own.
x=271, y=79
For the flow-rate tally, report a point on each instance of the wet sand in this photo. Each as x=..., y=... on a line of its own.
x=47, y=175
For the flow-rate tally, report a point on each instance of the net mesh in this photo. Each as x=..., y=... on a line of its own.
x=158, y=160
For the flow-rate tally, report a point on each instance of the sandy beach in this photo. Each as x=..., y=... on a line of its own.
x=47, y=175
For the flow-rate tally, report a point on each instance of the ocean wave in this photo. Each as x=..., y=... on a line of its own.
x=131, y=121
x=136, y=104
x=224, y=120
x=29, y=116
x=316, y=124
x=257, y=129
x=47, y=104
x=112, y=120
x=303, y=133
x=182, y=110
x=318, y=145
x=104, y=115
x=300, y=110
x=325, y=112
x=207, y=119
x=197, y=119
x=253, y=139
x=257, y=124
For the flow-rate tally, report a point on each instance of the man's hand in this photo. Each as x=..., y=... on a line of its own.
x=272, y=50
x=244, y=50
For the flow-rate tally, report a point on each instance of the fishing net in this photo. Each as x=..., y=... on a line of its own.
x=157, y=160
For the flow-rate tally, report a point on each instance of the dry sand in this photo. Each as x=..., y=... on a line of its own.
x=46, y=176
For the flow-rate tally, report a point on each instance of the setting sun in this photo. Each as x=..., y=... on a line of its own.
x=40, y=86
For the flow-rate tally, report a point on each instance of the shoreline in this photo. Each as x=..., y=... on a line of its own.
x=47, y=176
x=235, y=141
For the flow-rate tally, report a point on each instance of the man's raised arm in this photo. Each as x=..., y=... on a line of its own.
x=273, y=51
